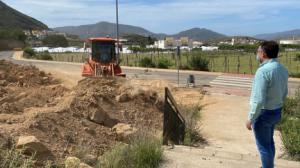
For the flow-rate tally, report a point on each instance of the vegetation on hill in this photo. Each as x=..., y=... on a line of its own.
x=105, y=28
x=11, y=18
x=139, y=40
x=199, y=34
x=15, y=34
x=55, y=41
x=11, y=38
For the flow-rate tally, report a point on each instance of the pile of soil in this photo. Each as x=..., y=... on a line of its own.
x=23, y=76
x=32, y=103
x=22, y=87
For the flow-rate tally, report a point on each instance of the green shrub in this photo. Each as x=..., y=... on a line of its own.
x=192, y=136
x=12, y=158
x=44, y=56
x=142, y=152
x=146, y=152
x=116, y=158
x=297, y=58
x=29, y=53
x=295, y=75
x=290, y=126
x=14, y=33
x=147, y=62
x=164, y=63
x=199, y=63
x=290, y=132
x=55, y=41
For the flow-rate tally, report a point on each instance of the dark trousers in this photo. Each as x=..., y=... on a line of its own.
x=263, y=129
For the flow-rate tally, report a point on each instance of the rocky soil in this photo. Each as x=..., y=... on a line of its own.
x=94, y=115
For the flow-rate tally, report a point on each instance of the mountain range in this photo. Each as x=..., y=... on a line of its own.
x=11, y=18
x=109, y=29
x=280, y=35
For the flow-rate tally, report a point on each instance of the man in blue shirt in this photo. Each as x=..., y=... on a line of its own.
x=269, y=89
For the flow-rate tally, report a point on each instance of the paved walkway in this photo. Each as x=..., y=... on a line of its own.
x=186, y=157
x=231, y=145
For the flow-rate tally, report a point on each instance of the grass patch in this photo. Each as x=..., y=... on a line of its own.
x=199, y=63
x=147, y=62
x=13, y=158
x=164, y=63
x=290, y=126
x=214, y=61
x=295, y=75
x=192, y=136
x=144, y=151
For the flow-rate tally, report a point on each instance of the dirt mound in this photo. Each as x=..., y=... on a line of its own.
x=22, y=87
x=23, y=76
x=65, y=120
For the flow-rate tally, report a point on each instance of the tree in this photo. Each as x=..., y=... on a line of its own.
x=55, y=41
x=12, y=34
x=139, y=40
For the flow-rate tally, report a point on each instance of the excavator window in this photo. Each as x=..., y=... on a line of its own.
x=103, y=52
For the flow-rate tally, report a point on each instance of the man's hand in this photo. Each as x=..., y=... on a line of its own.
x=249, y=125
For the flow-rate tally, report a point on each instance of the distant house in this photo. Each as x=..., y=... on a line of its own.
x=292, y=42
x=209, y=48
x=237, y=40
x=160, y=44
x=197, y=44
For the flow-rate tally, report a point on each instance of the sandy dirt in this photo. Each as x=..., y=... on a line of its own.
x=223, y=124
x=33, y=103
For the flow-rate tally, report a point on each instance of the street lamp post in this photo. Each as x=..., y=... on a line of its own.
x=118, y=38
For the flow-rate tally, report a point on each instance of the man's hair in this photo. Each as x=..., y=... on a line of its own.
x=270, y=48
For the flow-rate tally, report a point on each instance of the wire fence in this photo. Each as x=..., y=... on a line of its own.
x=219, y=61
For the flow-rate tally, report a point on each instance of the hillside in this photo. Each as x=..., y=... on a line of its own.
x=11, y=18
x=199, y=34
x=279, y=35
x=102, y=29
x=106, y=28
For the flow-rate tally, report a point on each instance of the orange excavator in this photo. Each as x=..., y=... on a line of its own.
x=103, y=61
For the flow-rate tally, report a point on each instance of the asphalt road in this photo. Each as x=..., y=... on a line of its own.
x=74, y=71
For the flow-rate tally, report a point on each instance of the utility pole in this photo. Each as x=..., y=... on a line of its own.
x=178, y=53
x=118, y=38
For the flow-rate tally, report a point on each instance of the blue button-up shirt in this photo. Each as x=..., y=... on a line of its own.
x=269, y=88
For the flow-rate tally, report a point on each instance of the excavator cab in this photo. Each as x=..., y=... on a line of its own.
x=103, y=59
x=103, y=51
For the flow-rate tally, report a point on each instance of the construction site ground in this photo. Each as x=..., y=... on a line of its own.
x=44, y=111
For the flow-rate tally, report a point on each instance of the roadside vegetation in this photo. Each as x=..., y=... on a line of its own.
x=31, y=54
x=55, y=41
x=12, y=158
x=290, y=126
x=193, y=135
x=239, y=59
x=143, y=152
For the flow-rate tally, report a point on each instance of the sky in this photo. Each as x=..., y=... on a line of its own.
x=230, y=17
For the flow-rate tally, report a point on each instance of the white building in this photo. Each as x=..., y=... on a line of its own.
x=293, y=42
x=197, y=44
x=209, y=48
x=160, y=44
